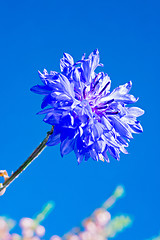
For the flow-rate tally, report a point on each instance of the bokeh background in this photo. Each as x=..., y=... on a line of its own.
x=34, y=35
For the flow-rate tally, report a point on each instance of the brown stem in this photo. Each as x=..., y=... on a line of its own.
x=30, y=159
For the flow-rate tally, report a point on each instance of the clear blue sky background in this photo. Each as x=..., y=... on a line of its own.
x=34, y=35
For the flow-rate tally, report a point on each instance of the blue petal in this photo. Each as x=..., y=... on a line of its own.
x=47, y=78
x=48, y=110
x=135, y=111
x=41, y=89
x=66, y=61
x=53, y=117
x=53, y=140
x=86, y=67
x=97, y=130
x=137, y=128
x=110, y=140
x=114, y=152
x=120, y=94
x=106, y=123
x=122, y=141
x=67, y=146
x=121, y=127
x=66, y=85
x=94, y=154
x=80, y=158
x=94, y=56
x=87, y=156
x=105, y=156
x=100, y=146
x=48, y=100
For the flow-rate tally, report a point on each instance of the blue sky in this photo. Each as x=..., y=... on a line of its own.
x=34, y=35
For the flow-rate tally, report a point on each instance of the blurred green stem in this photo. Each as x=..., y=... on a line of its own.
x=44, y=213
x=30, y=159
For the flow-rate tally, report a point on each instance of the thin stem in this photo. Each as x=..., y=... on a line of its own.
x=30, y=159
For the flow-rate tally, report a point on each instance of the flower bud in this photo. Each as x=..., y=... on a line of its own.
x=40, y=230
x=55, y=237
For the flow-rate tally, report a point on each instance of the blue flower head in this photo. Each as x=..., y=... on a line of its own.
x=88, y=118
